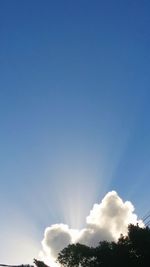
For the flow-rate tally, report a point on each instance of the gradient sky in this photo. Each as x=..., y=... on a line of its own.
x=74, y=112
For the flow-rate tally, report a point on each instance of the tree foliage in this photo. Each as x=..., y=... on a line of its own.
x=75, y=255
x=39, y=263
x=131, y=250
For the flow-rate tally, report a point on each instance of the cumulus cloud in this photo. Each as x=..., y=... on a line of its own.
x=106, y=221
x=55, y=238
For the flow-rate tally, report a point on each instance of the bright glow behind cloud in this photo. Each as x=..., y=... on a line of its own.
x=106, y=221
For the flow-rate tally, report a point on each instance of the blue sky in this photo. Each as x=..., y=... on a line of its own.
x=74, y=110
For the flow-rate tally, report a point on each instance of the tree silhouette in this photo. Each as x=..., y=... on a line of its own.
x=39, y=263
x=75, y=255
x=132, y=250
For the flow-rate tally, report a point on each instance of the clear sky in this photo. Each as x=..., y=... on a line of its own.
x=74, y=112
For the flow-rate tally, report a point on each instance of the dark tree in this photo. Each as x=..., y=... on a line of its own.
x=140, y=243
x=76, y=255
x=132, y=250
x=40, y=263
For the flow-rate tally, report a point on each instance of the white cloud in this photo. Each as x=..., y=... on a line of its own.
x=106, y=221
x=55, y=238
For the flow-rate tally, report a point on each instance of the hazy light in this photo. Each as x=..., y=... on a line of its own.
x=18, y=239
